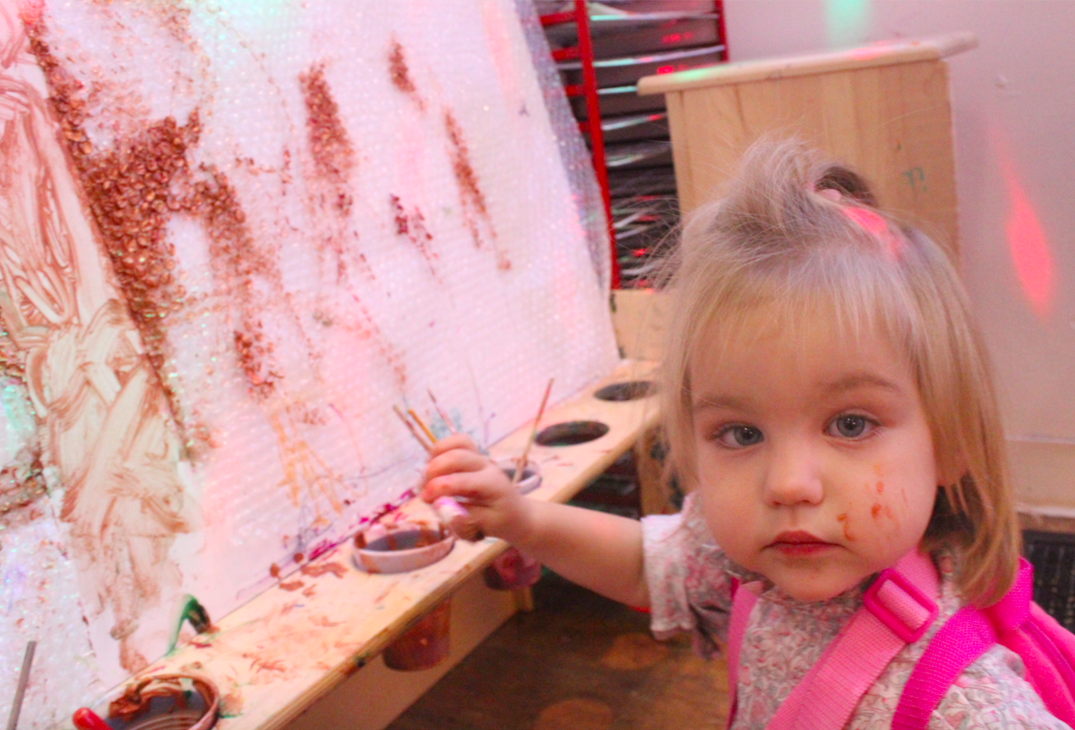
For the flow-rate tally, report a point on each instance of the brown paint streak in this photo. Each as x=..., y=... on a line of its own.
x=114, y=451
x=413, y=226
x=470, y=192
x=333, y=160
x=331, y=147
x=401, y=74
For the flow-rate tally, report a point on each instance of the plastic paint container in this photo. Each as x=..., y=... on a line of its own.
x=401, y=547
x=163, y=702
x=425, y=644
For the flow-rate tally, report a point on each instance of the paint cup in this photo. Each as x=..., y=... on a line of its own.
x=511, y=571
x=400, y=547
x=531, y=476
x=425, y=644
x=163, y=702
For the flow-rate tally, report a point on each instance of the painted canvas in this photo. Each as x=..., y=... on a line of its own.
x=233, y=235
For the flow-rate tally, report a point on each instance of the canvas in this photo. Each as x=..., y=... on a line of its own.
x=233, y=235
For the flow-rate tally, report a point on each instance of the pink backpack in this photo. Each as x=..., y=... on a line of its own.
x=899, y=607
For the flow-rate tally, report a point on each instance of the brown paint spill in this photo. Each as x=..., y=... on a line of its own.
x=315, y=571
x=292, y=585
x=471, y=197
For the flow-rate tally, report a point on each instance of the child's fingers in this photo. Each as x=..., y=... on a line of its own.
x=455, y=460
x=450, y=443
x=465, y=484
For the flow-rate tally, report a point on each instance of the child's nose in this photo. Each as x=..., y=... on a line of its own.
x=793, y=476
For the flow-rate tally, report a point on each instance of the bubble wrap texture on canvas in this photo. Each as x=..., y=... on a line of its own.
x=233, y=235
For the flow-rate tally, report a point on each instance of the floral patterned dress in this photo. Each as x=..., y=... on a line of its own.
x=690, y=578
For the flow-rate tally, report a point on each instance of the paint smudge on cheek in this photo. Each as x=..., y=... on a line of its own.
x=876, y=510
x=843, y=519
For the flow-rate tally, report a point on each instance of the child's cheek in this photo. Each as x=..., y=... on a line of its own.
x=884, y=508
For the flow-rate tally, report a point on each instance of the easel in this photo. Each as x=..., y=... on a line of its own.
x=285, y=653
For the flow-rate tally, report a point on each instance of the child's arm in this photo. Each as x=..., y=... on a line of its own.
x=600, y=551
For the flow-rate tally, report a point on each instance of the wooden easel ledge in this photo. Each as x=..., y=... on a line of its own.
x=285, y=650
x=879, y=54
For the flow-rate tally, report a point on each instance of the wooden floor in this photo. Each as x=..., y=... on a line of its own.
x=577, y=662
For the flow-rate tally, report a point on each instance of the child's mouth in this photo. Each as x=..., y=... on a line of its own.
x=798, y=544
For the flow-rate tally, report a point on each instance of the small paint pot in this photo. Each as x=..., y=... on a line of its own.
x=425, y=644
x=511, y=571
x=399, y=548
x=163, y=702
x=530, y=479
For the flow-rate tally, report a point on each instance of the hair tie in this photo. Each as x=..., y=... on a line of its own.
x=875, y=224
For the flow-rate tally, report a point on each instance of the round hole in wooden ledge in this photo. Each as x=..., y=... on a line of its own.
x=629, y=390
x=570, y=433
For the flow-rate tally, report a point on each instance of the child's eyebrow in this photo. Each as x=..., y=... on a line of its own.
x=854, y=381
x=717, y=401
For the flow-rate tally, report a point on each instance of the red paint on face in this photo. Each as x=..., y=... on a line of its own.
x=842, y=519
x=875, y=510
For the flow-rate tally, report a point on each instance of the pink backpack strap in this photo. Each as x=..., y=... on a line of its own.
x=963, y=638
x=898, y=608
x=1016, y=622
x=1046, y=648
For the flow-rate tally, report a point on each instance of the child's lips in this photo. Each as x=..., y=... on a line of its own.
x=799, y=543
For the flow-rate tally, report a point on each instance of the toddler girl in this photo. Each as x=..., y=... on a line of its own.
x=829, y=407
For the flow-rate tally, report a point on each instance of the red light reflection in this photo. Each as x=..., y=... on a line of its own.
x=1027, y=242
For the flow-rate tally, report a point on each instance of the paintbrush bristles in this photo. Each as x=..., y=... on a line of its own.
x=412, y=429
x=520, y=467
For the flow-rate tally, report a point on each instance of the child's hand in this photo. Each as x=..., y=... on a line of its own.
x=457, y=469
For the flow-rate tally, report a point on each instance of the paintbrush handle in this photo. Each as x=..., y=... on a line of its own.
x=457, y=518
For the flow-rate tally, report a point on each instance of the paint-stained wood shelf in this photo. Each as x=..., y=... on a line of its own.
x=277, y=655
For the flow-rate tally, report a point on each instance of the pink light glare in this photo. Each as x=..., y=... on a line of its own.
x=1027, y=243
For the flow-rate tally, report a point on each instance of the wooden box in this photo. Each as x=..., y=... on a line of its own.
x=884, y=109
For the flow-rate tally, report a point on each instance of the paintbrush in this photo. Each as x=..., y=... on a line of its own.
x=520, y=466
x=448, y=509
x=412, y=429
x=441, y=413
x=20, y=689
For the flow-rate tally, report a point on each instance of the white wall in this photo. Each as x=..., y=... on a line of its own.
x=1014, y=116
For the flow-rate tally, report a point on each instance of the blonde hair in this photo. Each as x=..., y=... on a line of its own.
x=778, y=237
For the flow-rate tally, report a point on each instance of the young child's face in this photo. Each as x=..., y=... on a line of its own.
x=814, y=458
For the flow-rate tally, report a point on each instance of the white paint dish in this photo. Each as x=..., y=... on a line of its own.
x=531, y=478
x=400, y=547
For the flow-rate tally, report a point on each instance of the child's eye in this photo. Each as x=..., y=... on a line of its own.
x=736, y=437
x=850, y=426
